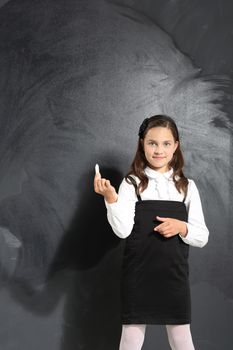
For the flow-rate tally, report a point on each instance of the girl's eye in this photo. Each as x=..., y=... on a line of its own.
x=151, y=143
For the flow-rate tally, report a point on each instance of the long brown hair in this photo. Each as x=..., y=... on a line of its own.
x=140, y=163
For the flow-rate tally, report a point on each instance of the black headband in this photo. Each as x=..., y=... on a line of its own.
x=146, y=121
x=143, y=127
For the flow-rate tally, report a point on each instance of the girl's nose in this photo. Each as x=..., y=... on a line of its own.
x=158, y=150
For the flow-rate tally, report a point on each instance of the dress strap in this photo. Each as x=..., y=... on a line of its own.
x=184, y=197
x=134, y=183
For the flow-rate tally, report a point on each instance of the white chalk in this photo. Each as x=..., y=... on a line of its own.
x=97, y=169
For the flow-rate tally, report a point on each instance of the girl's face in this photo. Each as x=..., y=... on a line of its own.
x=159, y=146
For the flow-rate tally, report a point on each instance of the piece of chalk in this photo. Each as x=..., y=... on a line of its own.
x=97, y=169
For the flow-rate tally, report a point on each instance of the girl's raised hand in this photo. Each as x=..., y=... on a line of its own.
x=104, y=187
x=171, y=227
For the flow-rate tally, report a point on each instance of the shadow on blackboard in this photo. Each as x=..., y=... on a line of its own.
x=92, y=308
x=85, y=272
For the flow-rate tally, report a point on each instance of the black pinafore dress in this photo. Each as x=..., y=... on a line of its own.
x=155, y=273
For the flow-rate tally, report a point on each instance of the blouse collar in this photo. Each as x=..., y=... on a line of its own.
x=154, y=174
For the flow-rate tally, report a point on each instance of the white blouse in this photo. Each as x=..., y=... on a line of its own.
x=160, y=186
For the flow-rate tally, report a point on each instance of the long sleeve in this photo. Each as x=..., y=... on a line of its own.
x=121, y=213
x=198, y=233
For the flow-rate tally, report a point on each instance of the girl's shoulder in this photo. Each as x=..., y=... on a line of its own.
x=127, y=188
x=129, y=183
x=192, y=189
x=191, y=183
x=131, y=179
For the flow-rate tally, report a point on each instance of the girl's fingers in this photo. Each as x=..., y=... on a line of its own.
x=96, y=180
x=168, y=233
x=161, y=227
x=164, y=229
x=167, y=236
x=101, y=185
x=107, y=184
x=97, y=176
x=97, y=184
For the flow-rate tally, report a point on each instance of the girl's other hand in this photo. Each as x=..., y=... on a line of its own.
x=104, y=187
x=171, y=227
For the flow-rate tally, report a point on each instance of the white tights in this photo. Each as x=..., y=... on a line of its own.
x=179, y=337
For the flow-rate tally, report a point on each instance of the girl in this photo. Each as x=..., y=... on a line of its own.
x=159, y=212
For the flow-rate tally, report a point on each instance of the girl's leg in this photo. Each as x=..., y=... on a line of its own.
x=180, y=337
x=132, y=336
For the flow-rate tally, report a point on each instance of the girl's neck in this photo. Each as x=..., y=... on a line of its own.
x=162, y=171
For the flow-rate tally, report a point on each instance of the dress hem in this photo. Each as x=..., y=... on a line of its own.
x=147, y=320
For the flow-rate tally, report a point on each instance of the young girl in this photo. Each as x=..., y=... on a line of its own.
x=159, y=212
